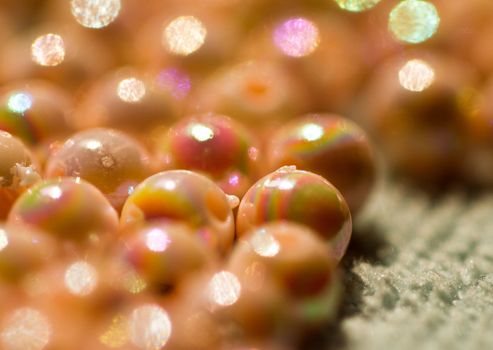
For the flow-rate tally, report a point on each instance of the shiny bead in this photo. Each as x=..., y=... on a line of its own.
x=165, y=254
x=23, y=251
x=288, y=281
x=330, y=146
x=298, y=196
x=18, y=171
x=187, y=197
x=70, y=209
x=110, y=160
x=35, y=111
x=215, y=145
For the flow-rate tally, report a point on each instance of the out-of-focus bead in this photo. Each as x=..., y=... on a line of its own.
x=18, y=171
x=215, y=145
x=35, y=111
x=71, y=209
x=298, y=196
x=184, y=196
x=331, y=146
x=110, y=160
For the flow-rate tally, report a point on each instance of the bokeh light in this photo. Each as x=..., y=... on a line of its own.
x=26, y=329
x=414, y=21
x=174, y=81
x=224, y=289
x=356, y=5
x=48, y=50
x=416, y=75
x=297, y=37
x=131, y=90
x=150, y=327
x=19, y=102
x=184, y=35
x=81, y=278
x=95, y=13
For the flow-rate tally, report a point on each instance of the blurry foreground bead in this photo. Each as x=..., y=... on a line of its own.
x=414, y=21
x=23, y=251
x=68, y=208
x=302, y=197
x=35, y=111
x=110, y=160
x=166, y=254
x=417, y=106
x=288, y=282
x=18, y=171
x=216, y=145
x=184, y=196
x=330, y=146
x=128, y=100
x=256, y=92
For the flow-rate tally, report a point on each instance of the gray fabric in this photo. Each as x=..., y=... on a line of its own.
x=419, y=274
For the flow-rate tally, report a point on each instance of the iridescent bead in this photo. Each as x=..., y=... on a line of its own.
x=215, y=145
x=127, y=99
x=35, y=111
x=331, y=146
x=183, y=196
x=288, y=282
x=18, y=171
x=165, y=254
x=417, y=106
x=111, y=160
x=298, y=196
x=70, y=209
x=23, y=251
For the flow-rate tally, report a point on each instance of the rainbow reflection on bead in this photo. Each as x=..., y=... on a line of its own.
x=69, y=208
x=298, y=196
x=184, y=196
x=35, y=111
x=216, y=145
x=165, y=254
x=330, y=146
x=109, y=159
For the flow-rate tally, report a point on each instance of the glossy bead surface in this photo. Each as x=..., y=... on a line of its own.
x=185, y=196
x=23, y=250
x=216, y=145
x=18, y=170
x=35, y=111
x=165, y=254
x=71, y=209
x=288, y=281
x=330, y=146
x=110, y=160
x=298, y=196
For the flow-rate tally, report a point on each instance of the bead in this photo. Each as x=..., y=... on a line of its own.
x=288, y=281
x=298, y=196
x=18, y=171
x=23, y=250
x=35, y=111
x=417, y=107
x=165, y=254
x=183, y=196
x=71, y=209
x=215, y=145
x=110, y=160
x=128, y=100
x=330, y=146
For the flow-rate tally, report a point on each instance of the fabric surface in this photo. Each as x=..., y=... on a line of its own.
x=419, y=274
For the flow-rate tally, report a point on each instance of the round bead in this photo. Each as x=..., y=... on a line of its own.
x=330, y=146
x=110, y=160
x=287, y=263
x=165, y=254
x=23, y=250
x=183, y=196
x=18, y=170
x=35, y=111
x=216, y=145
x=68, y=208
x=298, y=196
